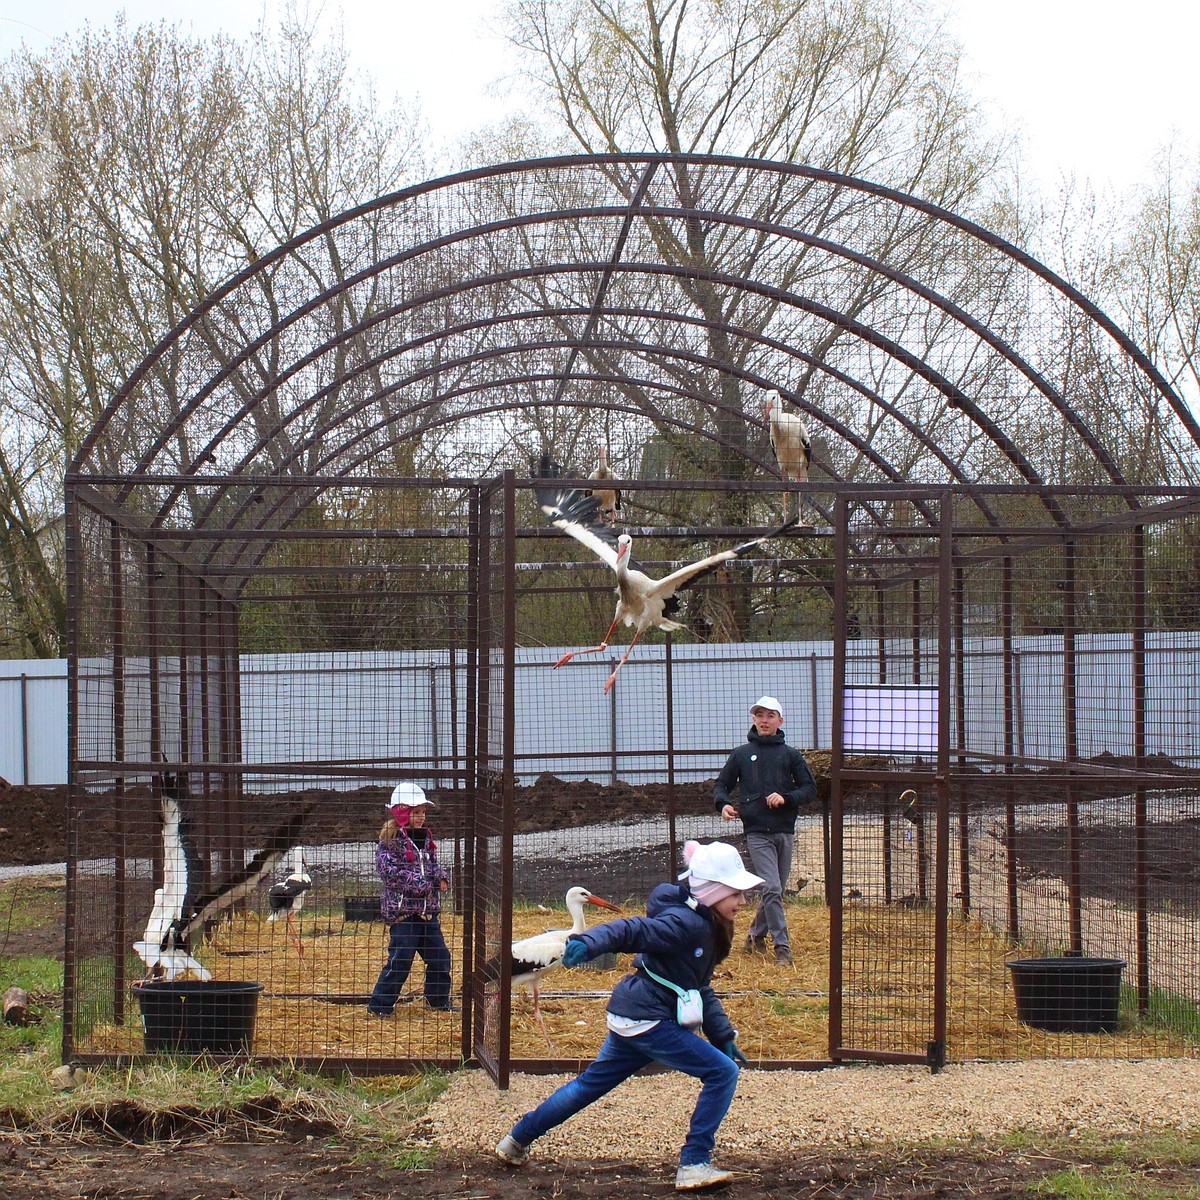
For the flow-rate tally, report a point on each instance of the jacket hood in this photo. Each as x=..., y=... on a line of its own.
x=667, y=895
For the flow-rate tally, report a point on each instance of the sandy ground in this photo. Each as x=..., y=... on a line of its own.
x=644, y=1120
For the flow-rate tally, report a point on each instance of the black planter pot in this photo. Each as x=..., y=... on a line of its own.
x=192, y=1016
x=1068, y=995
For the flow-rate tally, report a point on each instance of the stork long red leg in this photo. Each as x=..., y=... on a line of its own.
x=624, y=658
x=537, y=1012
x=291, y=925
x=566, y=658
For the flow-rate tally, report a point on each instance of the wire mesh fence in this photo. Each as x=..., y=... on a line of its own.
x=1001, y=726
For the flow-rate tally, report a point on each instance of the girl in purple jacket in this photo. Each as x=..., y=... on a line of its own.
x=413, y=883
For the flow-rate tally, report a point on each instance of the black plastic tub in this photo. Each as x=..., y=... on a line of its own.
x=361, y=908
x=193, y=1016
x=1069, y=994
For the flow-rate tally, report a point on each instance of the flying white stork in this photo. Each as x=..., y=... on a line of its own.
x=180, y=910
x=532, y=957
x=610, y=498
x=286, y=899
x=793, y=450
x=642, y=602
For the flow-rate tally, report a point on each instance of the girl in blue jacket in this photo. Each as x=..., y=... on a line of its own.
x=687, y=931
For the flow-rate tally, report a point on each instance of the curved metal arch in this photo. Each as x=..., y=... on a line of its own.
x=953, y=394
x=974, y=412
x=817, y=413
x=607, y=160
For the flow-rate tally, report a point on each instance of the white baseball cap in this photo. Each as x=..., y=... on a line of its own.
x=719, y=862
x=767, y=702
x=407, y=794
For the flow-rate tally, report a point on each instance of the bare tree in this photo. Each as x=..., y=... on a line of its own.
x=164, y=165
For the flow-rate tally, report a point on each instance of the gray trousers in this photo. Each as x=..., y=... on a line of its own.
x=771, y=857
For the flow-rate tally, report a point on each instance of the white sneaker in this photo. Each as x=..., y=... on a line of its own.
x=700, y=1175
x=509, y=1150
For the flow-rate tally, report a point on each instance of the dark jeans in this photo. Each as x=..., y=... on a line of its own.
x=412, y=936
x=620, y=1057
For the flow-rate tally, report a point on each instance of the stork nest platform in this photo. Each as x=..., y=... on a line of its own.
x=314, y=1006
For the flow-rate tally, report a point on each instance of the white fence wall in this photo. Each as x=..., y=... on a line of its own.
x=311, y=707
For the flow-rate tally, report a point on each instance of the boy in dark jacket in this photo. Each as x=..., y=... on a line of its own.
x=775, y=785
x=687, y=931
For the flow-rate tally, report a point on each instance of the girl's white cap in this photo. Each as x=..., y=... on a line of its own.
x=719, y=862
x=409, y=795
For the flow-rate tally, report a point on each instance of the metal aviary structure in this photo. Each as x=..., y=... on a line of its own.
x=305, y=562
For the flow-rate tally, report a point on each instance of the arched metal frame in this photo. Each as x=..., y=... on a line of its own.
x=925, y=352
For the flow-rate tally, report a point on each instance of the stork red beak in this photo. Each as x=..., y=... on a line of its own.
x=600, y=902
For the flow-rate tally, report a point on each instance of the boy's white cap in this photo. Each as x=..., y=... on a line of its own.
x=767, y=702
x=719, y=862
x=409, y=795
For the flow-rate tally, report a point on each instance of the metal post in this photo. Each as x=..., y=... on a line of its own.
x=833, y=874
x=1141, y=858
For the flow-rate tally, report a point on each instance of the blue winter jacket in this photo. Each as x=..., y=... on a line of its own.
x=676, y=941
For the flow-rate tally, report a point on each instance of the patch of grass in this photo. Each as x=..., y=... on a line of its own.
x=1109, y=1182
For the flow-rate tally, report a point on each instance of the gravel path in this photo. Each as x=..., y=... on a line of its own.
x=644, y=1120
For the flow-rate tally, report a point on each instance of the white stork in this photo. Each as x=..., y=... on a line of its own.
x=609, y=498
x=642, y=602
x=532, y=957
x=179, y=910
x=793, y=450
x=161, y=949
x=286, y=899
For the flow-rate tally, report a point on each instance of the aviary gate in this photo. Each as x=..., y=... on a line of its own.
x=306, y=563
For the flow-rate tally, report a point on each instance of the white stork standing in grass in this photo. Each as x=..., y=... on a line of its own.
x=532, y=957
x=609, y=498
x=286, y=899
x=642, y=602
x=793, y=450
x=180, y=910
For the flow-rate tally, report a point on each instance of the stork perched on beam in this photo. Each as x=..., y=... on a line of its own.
x=286, y=899
x=642, y=602
x=609, y=498
x=790, y=442
x=531, y=957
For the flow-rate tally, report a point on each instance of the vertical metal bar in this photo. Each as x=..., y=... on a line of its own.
x=120, y=879
x=510, y=742
x=941, y=886
x=233, y=839
x=474, y=996
x=1070, y=730
x=672, y=839
x=881, y=635
x=75, y=651
x=1141, y=859
x=435, y=750
x=612, y=726
x=24, y=728
x=1011, y=667
x=960, y=722
x=916, y=631
x=816, y=708
x=153, y=604
x=833, y=875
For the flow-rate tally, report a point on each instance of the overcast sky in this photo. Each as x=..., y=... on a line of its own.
x=1096, y=88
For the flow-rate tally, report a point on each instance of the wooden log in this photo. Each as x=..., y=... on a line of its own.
x=16, y=1006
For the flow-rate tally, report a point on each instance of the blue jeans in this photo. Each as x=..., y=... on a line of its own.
x=620, y=1057
x=771, y=857
x=409, y=937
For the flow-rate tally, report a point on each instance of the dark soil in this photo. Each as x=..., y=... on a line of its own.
x=321, y=1169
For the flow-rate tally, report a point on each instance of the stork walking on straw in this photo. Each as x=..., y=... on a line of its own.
x=531, y=957
x=642, y=602
x=286, y=899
